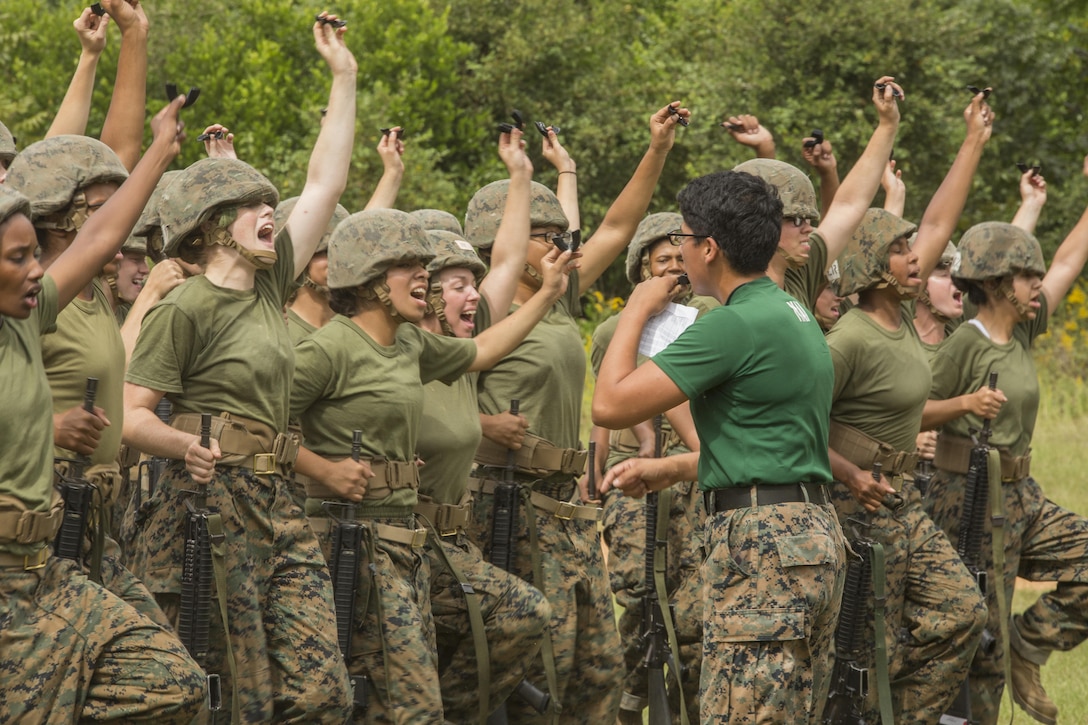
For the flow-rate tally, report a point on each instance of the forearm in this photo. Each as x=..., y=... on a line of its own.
x=145, y=432
x=856, y=192
x=385, y=193
x=895, y=200
x=683, y=467
x=841, y=469
x=566, y=190
x=123, y=130
x=75, y=109
x=938, y=412
x=498, y=341
x=682, y=423
x=312, y=465
x=510, y=250
x=944, y=209
x=829, y=186
x=1027, y=216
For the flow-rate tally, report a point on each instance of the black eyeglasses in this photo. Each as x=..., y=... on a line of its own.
x=677, y=237
x=797, y=221
x=559, y=239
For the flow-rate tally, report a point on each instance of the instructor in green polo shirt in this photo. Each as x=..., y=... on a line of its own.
x=759, y=377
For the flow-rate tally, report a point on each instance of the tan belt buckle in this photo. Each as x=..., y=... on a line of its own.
x=567, y=464
x=42, y=556
x=264, y=464
x=565, y=510
x=419, y=538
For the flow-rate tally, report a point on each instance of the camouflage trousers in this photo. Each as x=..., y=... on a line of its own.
x=774, y=578
x=393, y=640
x=70, y=651
x=514, y=613
x=934, y=613
x=1043, y=542
x=588, y=654
x=279, y=594
x=625, y=535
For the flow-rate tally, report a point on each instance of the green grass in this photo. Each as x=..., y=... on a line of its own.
x=1059, y=462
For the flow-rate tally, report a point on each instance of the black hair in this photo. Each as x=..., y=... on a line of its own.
x=349, y=301
x=976, y=291
x=741, y=212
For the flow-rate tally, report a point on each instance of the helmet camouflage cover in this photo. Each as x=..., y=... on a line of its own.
x=436, y=219
x=147, y=234
x=368, y=243
x=864, y=262
x=52, y=171
x=7, y=145
x=12, y=203
x=283, y=213
x=997, y=249
x=450, y=250
x=650, y=230
x=204, y=189
x=486, y=207
x=793, y=186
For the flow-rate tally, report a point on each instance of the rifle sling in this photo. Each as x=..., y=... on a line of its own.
x=997, y=536
x=880, y=598
x=218, y=539
x=661, y=534
x=547, y=652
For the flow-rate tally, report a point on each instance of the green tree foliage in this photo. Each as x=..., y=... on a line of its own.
x=449, y=70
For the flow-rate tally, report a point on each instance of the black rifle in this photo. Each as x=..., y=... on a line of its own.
x=347, y=555
x=155, y=465
x=78, y=495
x=849, y=679
x=923, y=475
x=504, y=522
x=654, y=638
x=196, y=582
x=976, y=502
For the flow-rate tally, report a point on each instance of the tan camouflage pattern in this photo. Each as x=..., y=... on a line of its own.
x=774, y=579
x=934, y=613
x=207, y=187
x=434, y=220
x=12, y=203
x=1044, y=543
x=487, y=205
x=793, y=186
x=997, y=249
x=283, y=213
x=368, y=243
x=51, y=171
x=451, y=250
x=147, y=234
x=865, y=260
x=588, y=653
x=7, y=145
x=514, y=614
x=279, y=600
x=70, y=651
x=650, y=230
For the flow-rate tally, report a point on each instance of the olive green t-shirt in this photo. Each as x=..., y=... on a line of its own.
x=546, y=373
x=759, y=377
x=805, y=283
x=963, y=364
x=298, y=329
x=87, y=344
x=882, y=378
x=213, y=349
x=121, y=313
x=449, y=433
x=26, y=425
x=344, y=381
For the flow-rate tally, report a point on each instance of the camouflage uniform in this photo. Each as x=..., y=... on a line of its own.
x=624, y=525
x=1042, y=541
x=933, y=611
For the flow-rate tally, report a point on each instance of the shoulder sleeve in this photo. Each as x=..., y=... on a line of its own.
x=442, y=358
x=947, y=371
x=167, y=344
x=279, y=282
x=602, y=336
x=47, y=306
x=313, y=379
x=843, y=364
x=707, y=353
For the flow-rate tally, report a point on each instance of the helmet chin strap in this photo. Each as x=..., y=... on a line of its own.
x=794, y=261
x=1005, y=288
x=70, y=219
x=259, y=258
x=923, y=297
x=436, y=305
x=889, y=280
x=322, y=290
x=381, y=291
x=534, y=274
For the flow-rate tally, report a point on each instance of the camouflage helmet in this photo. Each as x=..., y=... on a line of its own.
x=7, y=146
x=996, y=249
x=864, y=262
x=793, y=186
x=368, y=243
x=451, y=250
x=12, y=203
x=147, y=234
x=53, y=171
x=202, y=190
x=650, y=230
x=283, y=213
x=487, y=205
x=436, y=219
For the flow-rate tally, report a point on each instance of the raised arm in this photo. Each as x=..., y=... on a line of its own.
x=123, y=130
x=1032, y=201
x=947, y=203
x=855, y=194
x=747, y=131
x=511, y=247
x=895, y=191
x=619, y=224
x=821, y=157
x=327, y=174
x=103, y=233
x=390, y=149
x=566, y=186
x=75, y=109
x=1068, y=260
